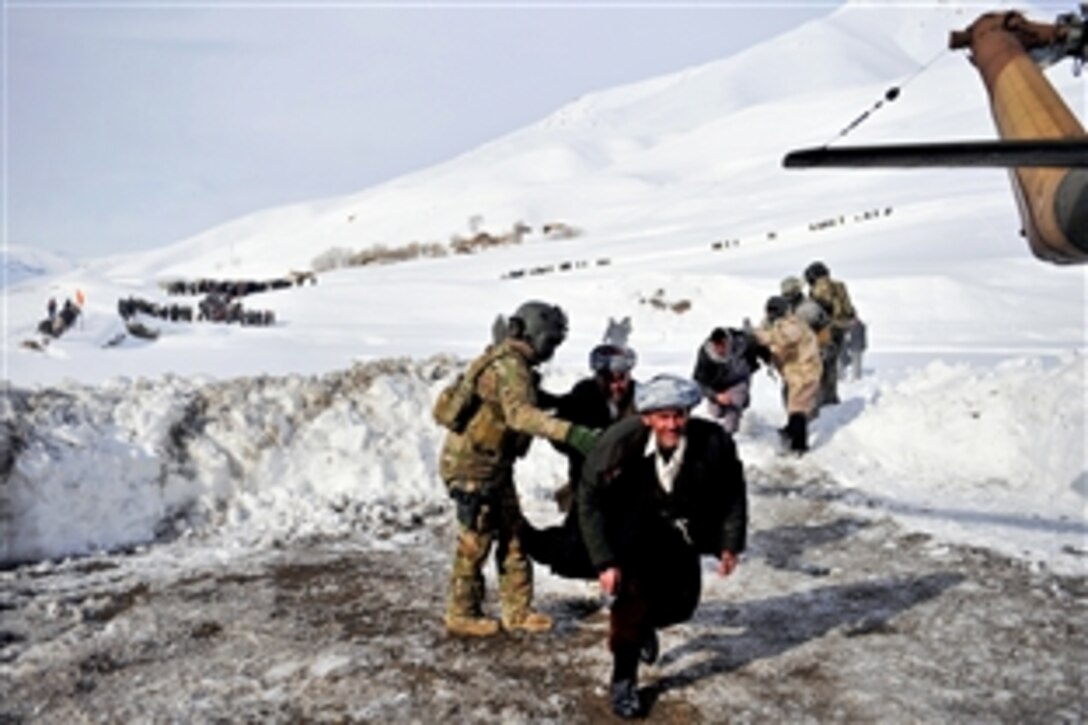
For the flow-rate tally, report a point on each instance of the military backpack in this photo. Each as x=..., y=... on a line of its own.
x=458, y=402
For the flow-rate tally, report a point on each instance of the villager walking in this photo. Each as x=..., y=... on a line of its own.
x=595, y=402
x=795, y=353
x=724, y=365
x=658, y=491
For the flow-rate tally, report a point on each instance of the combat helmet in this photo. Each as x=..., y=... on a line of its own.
x=541, y=325
x=816, y=270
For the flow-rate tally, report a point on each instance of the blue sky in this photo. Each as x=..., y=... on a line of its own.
x=133, y=125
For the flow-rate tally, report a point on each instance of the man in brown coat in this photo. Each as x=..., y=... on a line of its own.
x=795, y=353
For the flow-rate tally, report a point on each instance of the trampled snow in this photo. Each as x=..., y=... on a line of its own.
x=969, y=422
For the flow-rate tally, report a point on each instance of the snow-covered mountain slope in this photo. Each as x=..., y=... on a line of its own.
x=675, y=149
x=21, y=263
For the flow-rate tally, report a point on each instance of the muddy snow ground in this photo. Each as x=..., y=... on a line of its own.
x=835, y=615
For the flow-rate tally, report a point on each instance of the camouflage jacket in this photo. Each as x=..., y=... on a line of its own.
x=835, y=299
x=794, y=349
x=505, y=422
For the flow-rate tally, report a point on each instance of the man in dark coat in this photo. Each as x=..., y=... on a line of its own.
x=658, y=491
x=723, y=368
x=600, y=400
x=596, y=403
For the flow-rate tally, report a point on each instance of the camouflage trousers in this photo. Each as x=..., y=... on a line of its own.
x=487, y=520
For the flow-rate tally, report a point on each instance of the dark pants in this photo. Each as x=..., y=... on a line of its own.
x=829, y=378
x=560, y=547
x=660, y=583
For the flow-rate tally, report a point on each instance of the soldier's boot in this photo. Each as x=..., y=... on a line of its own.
x=471, y=626
x=516, y=590
x=529, y=620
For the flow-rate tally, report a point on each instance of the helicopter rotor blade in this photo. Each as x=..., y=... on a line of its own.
x=1060, y=153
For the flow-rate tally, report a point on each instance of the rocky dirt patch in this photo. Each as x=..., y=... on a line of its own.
x=832, y=617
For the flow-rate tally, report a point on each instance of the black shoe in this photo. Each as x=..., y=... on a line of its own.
x=625, y=702
x=649, y=650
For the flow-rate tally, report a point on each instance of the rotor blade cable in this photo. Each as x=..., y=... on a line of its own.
x=890, y=95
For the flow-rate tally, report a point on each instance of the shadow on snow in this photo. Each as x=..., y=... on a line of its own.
x=774, y=625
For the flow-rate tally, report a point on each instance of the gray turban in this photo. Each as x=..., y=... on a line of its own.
x=666, y=392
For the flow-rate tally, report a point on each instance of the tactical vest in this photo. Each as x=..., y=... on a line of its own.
x=458, y=402
x=486, y=444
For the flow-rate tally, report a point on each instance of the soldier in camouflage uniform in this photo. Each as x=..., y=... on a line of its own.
x=477, y=465
x=795, y=353
x=834, y=298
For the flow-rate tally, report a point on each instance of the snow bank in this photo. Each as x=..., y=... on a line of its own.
x=984, y=455
x=92, y=469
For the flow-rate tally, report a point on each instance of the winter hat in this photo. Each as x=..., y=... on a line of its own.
x=612, y=358
x=792, y=286
x=776, y=307
x=664, y=392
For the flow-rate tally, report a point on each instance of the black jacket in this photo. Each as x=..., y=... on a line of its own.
x=622, y=506
x=587, y=404
x=715, y=374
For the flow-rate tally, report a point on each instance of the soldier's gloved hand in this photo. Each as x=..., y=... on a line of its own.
x=581, y=438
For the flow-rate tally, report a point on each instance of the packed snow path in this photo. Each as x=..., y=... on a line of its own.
x=830, y=618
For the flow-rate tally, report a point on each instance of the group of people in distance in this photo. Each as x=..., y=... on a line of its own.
x=651, y=488
x=808, y=339
x=59, y=320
